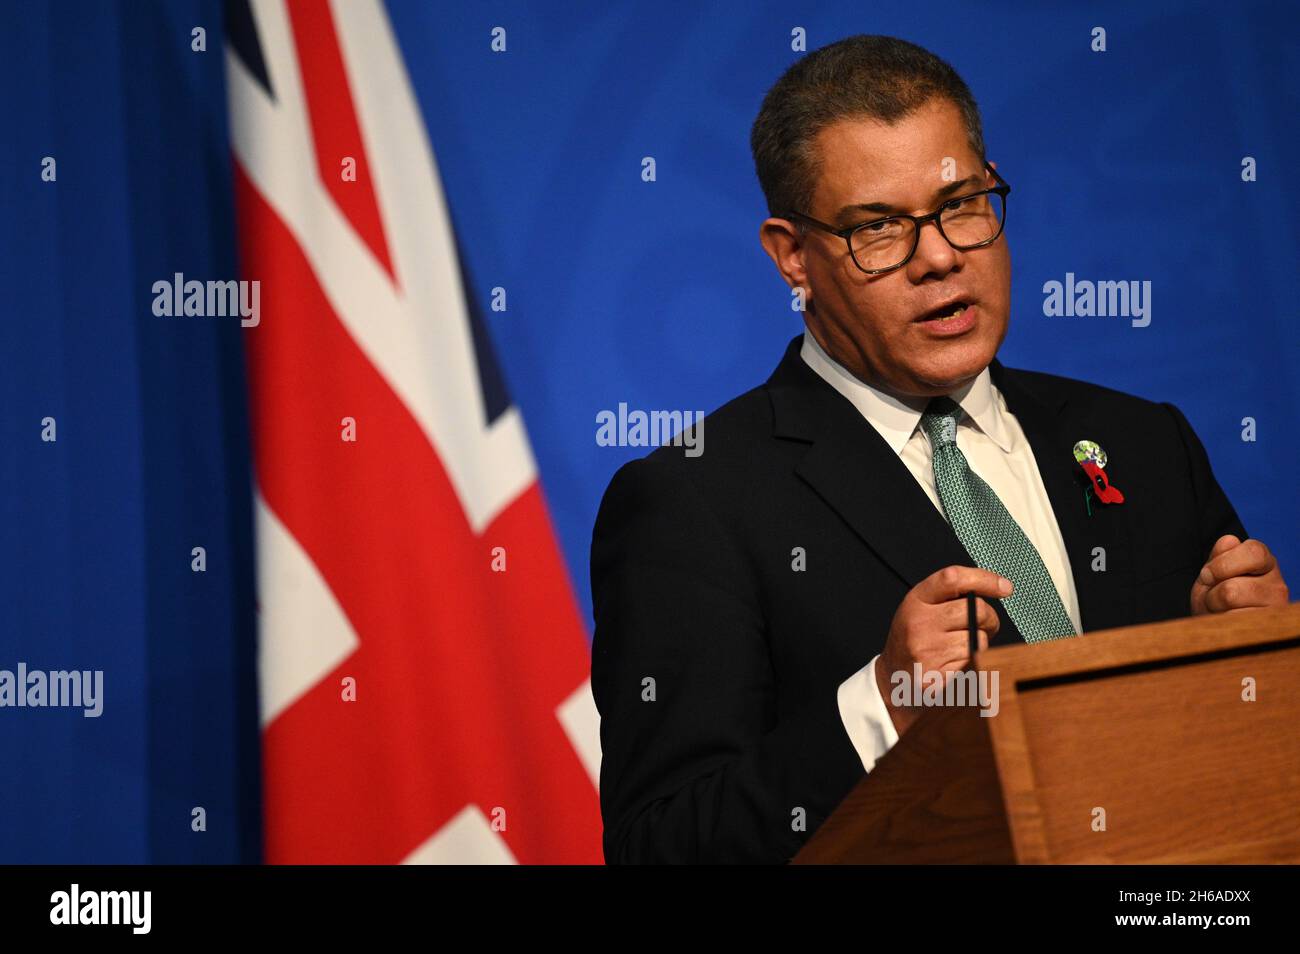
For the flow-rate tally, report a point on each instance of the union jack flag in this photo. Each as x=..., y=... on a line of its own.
x=424, y=674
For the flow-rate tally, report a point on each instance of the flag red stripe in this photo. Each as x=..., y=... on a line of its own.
x=334, y=123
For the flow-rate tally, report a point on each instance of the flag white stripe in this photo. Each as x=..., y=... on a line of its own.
x=468, y=839
x=303, y=632
x=581, y=721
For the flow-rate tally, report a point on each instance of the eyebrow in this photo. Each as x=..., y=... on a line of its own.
x=849, y=214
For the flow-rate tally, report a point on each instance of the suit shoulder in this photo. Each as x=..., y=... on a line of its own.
x=714, y=458
x=722, y=436
x=1089, y=395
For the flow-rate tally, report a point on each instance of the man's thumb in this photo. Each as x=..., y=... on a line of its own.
x=1223, y=545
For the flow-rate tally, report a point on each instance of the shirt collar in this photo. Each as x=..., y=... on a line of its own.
x=896, y=417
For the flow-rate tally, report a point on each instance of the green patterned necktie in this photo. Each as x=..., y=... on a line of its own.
x=990, y=534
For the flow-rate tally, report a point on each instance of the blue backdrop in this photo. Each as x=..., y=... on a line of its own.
x=1126, y=165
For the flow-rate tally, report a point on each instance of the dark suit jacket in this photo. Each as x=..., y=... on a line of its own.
x=693, y=588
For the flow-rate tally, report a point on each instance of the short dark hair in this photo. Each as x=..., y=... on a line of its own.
x=879, y=77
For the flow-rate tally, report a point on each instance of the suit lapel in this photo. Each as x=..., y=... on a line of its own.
x=860, y=477
x=1053, y=426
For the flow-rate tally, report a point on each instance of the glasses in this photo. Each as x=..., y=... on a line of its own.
x=966, y=222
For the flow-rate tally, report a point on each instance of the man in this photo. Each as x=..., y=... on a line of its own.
x=752, y=603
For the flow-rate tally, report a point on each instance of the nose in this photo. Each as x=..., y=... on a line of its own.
x=934, y=256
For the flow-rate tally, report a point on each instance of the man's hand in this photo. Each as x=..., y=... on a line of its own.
x=1238, y=575
x=929, y=627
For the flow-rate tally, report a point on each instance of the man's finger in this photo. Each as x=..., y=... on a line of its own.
x=950, y=633
x=1238, y=592
x=953, y=616
x=954, y=581
x=1251, y=558
x=957, y=650
x=1223, y=545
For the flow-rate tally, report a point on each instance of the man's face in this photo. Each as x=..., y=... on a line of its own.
x=874, y=324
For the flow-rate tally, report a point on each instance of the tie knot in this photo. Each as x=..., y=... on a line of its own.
x=940, y=421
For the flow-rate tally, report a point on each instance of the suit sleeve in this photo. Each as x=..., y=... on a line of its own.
x=1215, y=513
x=700, y=762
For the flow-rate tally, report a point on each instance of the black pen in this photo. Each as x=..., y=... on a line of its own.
x=970, y=626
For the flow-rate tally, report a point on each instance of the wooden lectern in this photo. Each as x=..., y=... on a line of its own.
x=1150, y=730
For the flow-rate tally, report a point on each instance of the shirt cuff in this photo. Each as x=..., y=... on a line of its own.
x=865, y=715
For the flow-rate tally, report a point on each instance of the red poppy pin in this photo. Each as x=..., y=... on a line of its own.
x=1093, y=461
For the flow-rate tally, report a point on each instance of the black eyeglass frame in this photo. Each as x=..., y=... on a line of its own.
x=1001, y=189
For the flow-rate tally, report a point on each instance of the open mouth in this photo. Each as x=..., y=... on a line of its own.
x=946, y=312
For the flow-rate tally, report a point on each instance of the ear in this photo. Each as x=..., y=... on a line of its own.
x=784, y=245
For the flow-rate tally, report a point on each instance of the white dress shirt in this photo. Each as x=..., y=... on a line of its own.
x=990, y=437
